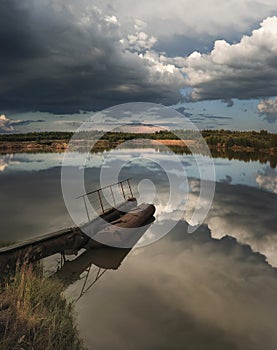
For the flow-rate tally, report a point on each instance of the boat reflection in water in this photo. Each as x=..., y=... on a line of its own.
x=94, y=262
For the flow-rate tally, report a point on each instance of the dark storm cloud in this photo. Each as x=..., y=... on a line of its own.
x=229, y=102
x=203, y=118
x=63, y=58
x=26, y=122
x=214, y=116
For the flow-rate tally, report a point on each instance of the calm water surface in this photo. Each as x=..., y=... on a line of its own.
x=213, y=289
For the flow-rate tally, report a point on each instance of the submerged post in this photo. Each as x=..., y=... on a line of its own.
x=122, y=190
x=100, y=200
x=113, y=195
x=84, y=198
x=128, y=180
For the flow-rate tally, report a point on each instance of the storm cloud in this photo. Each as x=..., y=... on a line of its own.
x=63, y=56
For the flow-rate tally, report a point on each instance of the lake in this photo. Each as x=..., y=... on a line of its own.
x=214, y=288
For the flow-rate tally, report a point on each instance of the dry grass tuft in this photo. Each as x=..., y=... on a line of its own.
x=35, y=315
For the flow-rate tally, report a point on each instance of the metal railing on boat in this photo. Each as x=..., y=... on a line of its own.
x=107, y=197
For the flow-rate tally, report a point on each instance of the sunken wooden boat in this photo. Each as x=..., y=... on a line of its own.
x=114, y=228
x=126, y=230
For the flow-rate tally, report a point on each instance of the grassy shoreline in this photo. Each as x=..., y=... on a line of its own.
x=34, y=314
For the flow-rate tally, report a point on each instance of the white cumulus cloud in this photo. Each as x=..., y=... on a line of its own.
x=5, y=124
x=242, y=70
x=268, y=109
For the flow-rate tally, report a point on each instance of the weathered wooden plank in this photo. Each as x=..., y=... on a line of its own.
x=70, y=239
x=97, y=223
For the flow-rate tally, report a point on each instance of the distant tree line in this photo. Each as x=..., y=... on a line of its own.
x=223, y=138
x=36, y=136
x=257, y=140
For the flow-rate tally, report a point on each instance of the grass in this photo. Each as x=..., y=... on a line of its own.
x=35, y=315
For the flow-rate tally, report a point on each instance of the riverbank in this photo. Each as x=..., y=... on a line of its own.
x=34, y=314
x=242, y=145
x=57, y=146
x=224, y=140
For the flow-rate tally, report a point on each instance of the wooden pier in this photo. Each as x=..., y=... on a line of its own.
x=109, y=229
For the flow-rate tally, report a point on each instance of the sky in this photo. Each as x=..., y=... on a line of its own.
x=61, y=61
